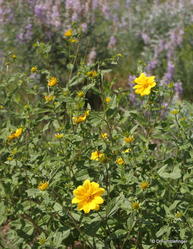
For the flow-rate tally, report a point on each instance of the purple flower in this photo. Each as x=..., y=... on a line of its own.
x=95, y=4
x=26, y=33
x=84, y=27
x=152, y=65
x=69, y=4
x=39, y=11
x=112, y=42
x=131, y=79
x=169, y=73
x=178, y=89
x=145, y=38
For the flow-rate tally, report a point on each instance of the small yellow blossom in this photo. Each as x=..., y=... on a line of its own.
x=178, y=214
x=73, y=40
x=88, y=196
x=163, y=107
x=144, y=84
x=1, y=107
x=14, y=151
x=14, y=56
x=144, y=185
x=182, y=119
x=87, y=113
x=10, y=158
x=104, y=135
x=97, y=156
x=107, y=99
x=59, y=135
x=16, y=134
x=175, y=112
x=81, y=118
x=68, y=33
x=171, y=85
x=66, y=92
x=12, y=136
x=41, y=241
x=92, y=74
x=127, y=150
x=135, y=205
x=49, y=98
x=80, y=94
x=120, y=161
x=129, y=139
x=52, y=81
x=43, y=186
x=34, y=69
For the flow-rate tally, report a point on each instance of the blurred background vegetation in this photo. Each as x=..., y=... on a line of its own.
x=157, y=34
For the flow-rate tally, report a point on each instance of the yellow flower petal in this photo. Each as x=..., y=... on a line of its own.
x=88, y=196
x=144, y=84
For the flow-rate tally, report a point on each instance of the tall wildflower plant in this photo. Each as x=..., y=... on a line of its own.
x=73, y=175
x=150, y=30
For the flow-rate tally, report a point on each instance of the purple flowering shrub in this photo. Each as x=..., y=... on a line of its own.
x=152, y=30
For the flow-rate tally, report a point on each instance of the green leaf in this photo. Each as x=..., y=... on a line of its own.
x=115, y=204
x=92, y=228
x=162, y=230
x=173, y=175
x=57, y=207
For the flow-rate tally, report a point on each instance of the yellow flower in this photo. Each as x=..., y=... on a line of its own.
x=14, y=151
x=97, y=156
x=87, y=113
x=92, y=74
x=171, y=85
x=16, y=134
x=52, y=81
x=104, y=135
x=49, y=98
x=129, y=139
x=1, y=107
x=181, y=119
x=42, y=241
x=144, y=84
x=135, y=205
x=88, y=196
x=80, y=94
x=10, y=158
x=12, y=136
x=107, y=99
x=144, y=185
x=120, y=161
x=14, y=56
x=34, y=69
x=59, y=135
x=127, y=150
x=178, y=214
x=66, y=92
x=68, y=33
x=81, y=118
x=72, y=40
x=43, y=186
x=175, y=112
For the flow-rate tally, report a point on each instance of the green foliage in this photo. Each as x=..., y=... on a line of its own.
x=185, y=63
x=160, y=154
